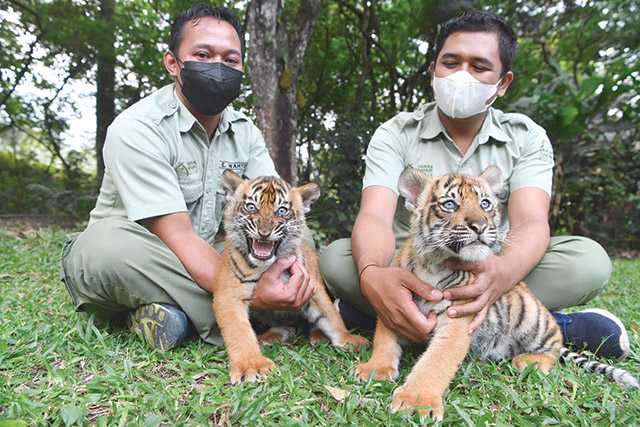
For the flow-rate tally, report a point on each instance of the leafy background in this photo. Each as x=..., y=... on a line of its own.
x=577, y=74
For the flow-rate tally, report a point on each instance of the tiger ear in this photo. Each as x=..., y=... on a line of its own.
x=230, y=181
x=309, y=193
x=411, y=184
x=493, y=177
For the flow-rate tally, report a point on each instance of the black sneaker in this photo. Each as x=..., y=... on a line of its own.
x=595, y=330
x=354, y=318
x=162, y=326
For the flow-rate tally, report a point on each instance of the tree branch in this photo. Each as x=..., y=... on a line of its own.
x=19, y=76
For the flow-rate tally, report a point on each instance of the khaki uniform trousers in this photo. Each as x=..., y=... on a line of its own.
x=572, y=272
x=116, y=265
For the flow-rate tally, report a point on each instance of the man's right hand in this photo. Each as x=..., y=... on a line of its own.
x=274, y=293
x=390, y=291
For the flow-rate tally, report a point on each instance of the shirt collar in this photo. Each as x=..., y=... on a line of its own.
x=187, y=120
x=431, y=126
x=492, y=128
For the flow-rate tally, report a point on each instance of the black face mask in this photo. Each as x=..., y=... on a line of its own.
x=210, y=86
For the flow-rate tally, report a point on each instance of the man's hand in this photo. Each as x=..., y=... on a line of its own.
x=390, y=291
x=492, y=279
x=273, y=293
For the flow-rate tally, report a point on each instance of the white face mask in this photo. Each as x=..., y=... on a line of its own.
x=460, y=95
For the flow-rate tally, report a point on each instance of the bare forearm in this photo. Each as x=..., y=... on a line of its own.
x=372, y=242
x=199, y=259
x=525, y=247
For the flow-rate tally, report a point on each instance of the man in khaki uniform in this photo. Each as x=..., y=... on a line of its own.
x=148, y=252
x=460, y=133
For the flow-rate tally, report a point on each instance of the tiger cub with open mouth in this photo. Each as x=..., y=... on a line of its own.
x=458, y=217
x=264, y=220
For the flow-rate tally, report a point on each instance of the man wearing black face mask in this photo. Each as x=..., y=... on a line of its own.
x=147, y=255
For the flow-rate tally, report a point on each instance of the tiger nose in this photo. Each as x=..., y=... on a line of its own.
x=478, y=226
x=264, y=230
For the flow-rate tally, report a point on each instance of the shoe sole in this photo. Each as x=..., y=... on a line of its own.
x=152, y=322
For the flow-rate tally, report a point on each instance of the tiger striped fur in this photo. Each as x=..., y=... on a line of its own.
x=265, y=220
x=458, y=217
x=618, y=375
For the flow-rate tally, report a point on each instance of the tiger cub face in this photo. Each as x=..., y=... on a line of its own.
x=265, y=217
x=454, y=215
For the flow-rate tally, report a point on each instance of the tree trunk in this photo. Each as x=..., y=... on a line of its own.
x=106, y=81
x=276, y=57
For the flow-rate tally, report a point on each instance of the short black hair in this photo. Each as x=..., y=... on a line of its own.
x=198, y=11
x=474, y=21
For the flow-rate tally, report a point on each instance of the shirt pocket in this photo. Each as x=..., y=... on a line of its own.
x=192, y=189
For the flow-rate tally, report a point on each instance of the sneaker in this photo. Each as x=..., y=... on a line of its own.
x=595, y=330
x=354, y=318
x=162, y=326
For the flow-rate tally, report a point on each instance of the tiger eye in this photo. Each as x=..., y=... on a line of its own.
x=282, y=211
x=486, y=204
x=250, y=207
x=449, y=205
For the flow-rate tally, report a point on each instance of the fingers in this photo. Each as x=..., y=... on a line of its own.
x=419, y=287
x=477, y=321
x=469, y=308
x=414, y=325
x=472, y=291
x=280, y=266
x=301, y=282
x=402, y=328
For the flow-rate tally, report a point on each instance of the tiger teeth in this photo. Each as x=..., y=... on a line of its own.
x=262, y=248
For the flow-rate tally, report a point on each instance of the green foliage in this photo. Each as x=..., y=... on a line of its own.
x=30, y=187
x=59, y=368
x=577, y=74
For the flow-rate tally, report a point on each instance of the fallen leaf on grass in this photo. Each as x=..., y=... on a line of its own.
x=338, y=394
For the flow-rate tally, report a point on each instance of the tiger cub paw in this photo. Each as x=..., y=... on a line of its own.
x=412, y=399
x=250, y=369
x=364, y=371
x=354, y=341
x=543, y=362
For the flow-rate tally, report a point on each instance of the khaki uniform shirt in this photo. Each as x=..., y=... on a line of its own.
x=159, y=160
x=513, y=142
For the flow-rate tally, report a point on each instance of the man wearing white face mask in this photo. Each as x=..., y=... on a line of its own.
x=461, y=133
x=460, y=95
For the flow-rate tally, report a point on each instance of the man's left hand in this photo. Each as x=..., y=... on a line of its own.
x=492, y=279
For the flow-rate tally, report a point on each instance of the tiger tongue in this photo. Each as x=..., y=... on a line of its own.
x=262, y=248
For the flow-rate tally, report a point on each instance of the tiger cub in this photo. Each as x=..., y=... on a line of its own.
x=458, y=217
x=264, y=220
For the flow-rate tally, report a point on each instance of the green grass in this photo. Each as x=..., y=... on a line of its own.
x=58, y=369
